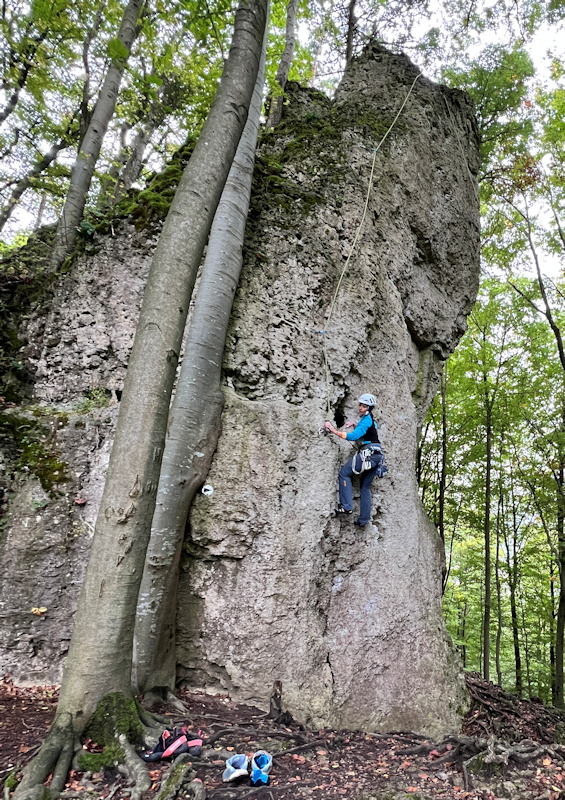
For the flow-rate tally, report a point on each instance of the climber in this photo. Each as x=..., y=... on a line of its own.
x=367, y=463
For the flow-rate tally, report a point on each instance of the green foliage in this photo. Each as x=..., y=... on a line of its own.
x=117, y=50
x=509, y=359
x=95, y=398
x=498, y=83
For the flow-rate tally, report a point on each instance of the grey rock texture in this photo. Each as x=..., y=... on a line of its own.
x=45, y=544
x=273, y=587
x=83, y=343
x=76, y=345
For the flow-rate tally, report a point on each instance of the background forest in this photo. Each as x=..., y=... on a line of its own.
x=492, y=456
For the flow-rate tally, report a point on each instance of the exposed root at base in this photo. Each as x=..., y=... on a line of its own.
x=54, y=756
x=484, y=756
x=61, y=743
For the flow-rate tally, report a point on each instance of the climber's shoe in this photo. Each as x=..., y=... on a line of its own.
x=261, y=765
x=194, y=747
x=172, y=743
x=360, y=524
x=236, y=767
x=341, y=510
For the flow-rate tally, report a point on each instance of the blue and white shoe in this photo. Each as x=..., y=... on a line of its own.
x=236, y=767
x=261, y=765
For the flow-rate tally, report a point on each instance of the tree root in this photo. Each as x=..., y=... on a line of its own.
x=179, y=773
x=484, y=755
x=193, y=791
x=55, y=755
x=135, y=768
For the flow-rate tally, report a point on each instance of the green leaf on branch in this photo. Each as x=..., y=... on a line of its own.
x=117, y=50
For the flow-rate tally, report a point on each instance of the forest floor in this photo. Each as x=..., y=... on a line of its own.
x=327, y=764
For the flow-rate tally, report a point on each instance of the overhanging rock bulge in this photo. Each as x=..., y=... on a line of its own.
x=273, y=588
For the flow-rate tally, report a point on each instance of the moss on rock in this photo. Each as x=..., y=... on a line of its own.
x=95, y=762
x=29, y=442
x=116, y=713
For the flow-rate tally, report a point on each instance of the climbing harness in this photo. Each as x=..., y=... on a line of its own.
x=355, y=240
x=365, y=454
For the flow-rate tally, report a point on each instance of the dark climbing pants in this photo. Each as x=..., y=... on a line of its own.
x=365, y=478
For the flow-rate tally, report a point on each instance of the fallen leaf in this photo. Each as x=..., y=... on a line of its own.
x=546, y=762
x=412, y=789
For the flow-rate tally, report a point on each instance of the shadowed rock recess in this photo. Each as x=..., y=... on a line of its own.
x=273, y=587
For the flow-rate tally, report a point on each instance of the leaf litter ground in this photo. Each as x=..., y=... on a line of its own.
x=328, y=764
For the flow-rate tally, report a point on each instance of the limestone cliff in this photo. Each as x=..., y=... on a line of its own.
x=273, y=587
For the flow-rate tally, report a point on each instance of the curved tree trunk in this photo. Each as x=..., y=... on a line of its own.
x=100, y=653
x=275, y=111
x=27, y=181
x=85, y=163
x=194, y=419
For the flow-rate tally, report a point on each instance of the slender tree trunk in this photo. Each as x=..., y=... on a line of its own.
x=89, y=151
x=132, y=168
x=109, y=180
x=350, y=31
x=27, y=181
x=488, y=600
x=100, y=653
x=195, y=416
x=481, y=632
x=275, y=112
x=552, y=633
x=499, y=516
x=443, y=468
x=40, y=212
x=26, y=64
x=560, y=626
x=526, y=647
x=512, y=569
x=461, y=634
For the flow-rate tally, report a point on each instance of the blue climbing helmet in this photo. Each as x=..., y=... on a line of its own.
x=368, y=400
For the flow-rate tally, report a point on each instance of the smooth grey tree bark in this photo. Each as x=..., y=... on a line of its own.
x=28, y=180
x=100, y=653
x=275, y=111
x=195, y=415
x=89, y=150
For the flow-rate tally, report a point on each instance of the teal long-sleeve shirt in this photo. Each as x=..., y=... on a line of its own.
x=361, y=428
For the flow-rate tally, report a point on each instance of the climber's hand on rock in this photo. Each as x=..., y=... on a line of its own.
x=329, y=427
x=349, y=424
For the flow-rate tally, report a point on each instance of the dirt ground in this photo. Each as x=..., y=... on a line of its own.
x=328, y=764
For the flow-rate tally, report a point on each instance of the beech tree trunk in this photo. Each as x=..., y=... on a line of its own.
x=89, y=151
x=100, y=653
x=195, y=416
x=275, y=112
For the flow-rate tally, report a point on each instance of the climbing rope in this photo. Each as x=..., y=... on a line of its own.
x=356, y=239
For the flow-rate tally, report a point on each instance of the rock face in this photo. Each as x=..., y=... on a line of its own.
x=273, y=587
